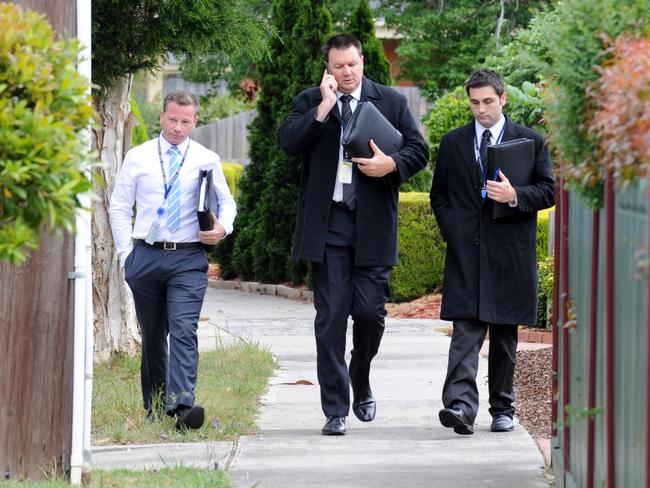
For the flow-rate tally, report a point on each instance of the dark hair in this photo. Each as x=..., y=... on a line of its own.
x=340, y=41
x=181, y=97
x=486, y=77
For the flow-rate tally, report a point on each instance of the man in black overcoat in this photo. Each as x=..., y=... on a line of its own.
x=347, y=222
x=490, y=279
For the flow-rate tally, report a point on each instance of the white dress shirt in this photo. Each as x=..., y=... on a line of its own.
x=496, y=134
x=140, y=181
x=356, y=96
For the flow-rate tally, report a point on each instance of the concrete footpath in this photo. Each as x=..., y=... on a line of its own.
x=404, y=447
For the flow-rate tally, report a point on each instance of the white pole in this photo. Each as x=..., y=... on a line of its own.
x=83, y=283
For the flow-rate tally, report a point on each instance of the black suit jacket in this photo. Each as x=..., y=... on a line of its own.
x=490, y=265
x=377, y=198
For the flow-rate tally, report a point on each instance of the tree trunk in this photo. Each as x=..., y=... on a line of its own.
x=115, y=322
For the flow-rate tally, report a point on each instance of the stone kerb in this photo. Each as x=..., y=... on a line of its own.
x=263, y=289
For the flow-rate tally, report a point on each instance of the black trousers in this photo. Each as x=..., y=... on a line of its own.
x=342, y=289
x=168, y=290
x=460, y=390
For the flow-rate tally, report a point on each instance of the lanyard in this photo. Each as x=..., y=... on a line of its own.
x=482, y=166
x=175, y=175
x=478, y=151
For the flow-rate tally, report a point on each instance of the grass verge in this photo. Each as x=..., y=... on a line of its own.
x=179, y=477
x=231, y=379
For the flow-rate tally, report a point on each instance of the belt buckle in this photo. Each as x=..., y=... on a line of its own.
x=169, y=246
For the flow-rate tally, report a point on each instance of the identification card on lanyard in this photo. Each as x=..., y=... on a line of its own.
x=155, y=227
x=345, y=166
x=345, y=171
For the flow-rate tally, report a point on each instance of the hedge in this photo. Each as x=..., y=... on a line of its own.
x=232, y=172
x=544, y=270
x=421, y=249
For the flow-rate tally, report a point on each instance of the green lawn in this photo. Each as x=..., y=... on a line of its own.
x=179, y=477
x=231, y=379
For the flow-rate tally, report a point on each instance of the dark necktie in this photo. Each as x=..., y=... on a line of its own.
x=349, y=190
x=485, y=142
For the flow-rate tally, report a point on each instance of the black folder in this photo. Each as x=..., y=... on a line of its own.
x=205, y=207
x=368, y=123
x=204, y=191
x=516, y=159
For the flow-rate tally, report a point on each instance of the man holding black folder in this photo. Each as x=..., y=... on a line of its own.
x=163, y=252
x=490, y=280
x=347, y=221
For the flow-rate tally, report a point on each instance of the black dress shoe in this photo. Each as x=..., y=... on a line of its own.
x=502, y=423
x=364, y=405
x=189, y=417
x=334, y=426
x=457, y=419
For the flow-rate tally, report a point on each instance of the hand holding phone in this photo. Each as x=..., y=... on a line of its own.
x=328, y=87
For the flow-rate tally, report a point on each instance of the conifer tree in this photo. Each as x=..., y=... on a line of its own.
x=269, y=186
x=362, y=26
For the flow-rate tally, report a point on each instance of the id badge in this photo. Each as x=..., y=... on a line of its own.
x=345, y=172
x=153, y=232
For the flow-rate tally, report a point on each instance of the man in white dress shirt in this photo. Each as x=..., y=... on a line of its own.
x=163, y=253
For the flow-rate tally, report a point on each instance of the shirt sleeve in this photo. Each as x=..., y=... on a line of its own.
x=121, y=210
x=227, y=209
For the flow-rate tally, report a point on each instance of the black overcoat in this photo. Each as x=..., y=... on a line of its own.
x=377, y=198
x=490, y=265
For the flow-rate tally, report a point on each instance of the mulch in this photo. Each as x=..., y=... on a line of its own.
x=533, y=379
x=426, y=307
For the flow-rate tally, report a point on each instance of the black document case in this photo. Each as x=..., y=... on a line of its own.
x=368, y=123
x=204, y=191
x=516, y=159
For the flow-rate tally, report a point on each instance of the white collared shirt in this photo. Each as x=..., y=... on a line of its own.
x=140, y=182
x=495, y=132
x=356, y=97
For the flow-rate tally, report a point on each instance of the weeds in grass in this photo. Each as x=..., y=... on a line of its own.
x=231, y=379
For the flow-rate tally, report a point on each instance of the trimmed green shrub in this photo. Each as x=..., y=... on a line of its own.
x=542, y=233
x=545, y=292
x=232, y=172
x=421, y=249
x=544, y=271
x=43, y=107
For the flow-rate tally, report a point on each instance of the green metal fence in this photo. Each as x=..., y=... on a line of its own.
x=616, y=453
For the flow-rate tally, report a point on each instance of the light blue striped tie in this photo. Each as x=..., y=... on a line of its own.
x=174, y=197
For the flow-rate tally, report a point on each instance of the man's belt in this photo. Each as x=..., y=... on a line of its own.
x=172, y=246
